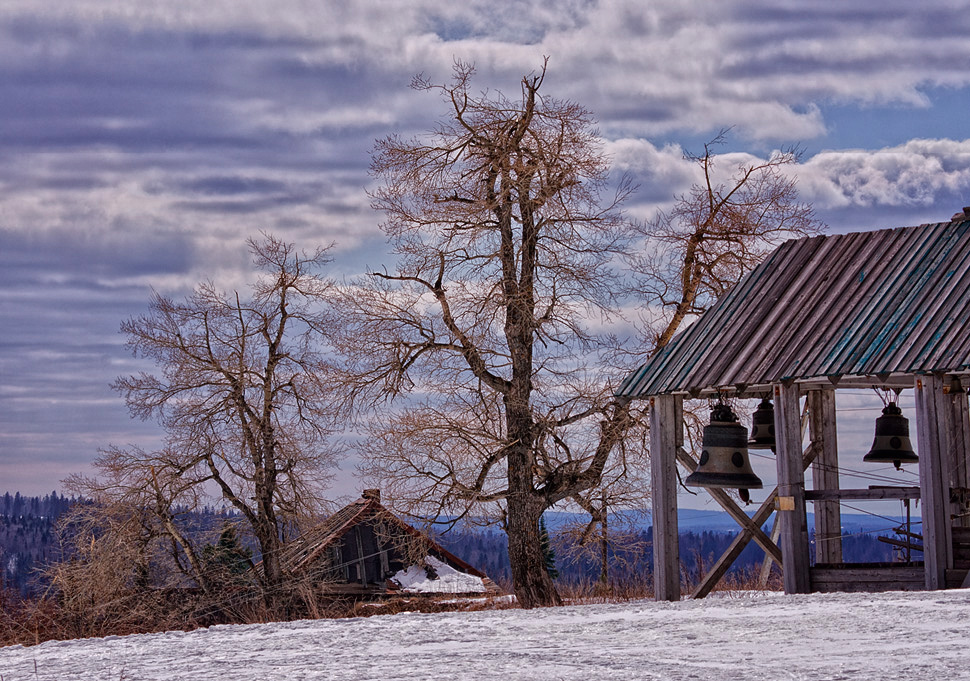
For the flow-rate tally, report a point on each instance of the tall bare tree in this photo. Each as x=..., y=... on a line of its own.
x=717, y=232
x=243, y=396
x=478, y=342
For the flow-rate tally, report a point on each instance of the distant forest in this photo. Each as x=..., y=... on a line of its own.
x=27, y=538
x=487, y=551
x=28, y=541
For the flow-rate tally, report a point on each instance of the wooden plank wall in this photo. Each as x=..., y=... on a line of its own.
x=867, y=578
x=959, y=576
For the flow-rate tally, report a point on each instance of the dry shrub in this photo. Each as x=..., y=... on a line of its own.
x=586, y=591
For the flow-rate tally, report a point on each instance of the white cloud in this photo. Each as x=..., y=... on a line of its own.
x=141, y=143
x=645, y=69
x=917, y=173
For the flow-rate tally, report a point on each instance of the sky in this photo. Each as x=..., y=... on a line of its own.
x=142, y=143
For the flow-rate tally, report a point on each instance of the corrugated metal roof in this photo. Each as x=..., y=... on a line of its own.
x=892, y=301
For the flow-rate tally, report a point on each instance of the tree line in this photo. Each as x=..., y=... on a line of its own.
x=30, y=544
x=476, y=372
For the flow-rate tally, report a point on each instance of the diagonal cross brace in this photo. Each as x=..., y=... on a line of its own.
x=728, y=504
x=746, y=535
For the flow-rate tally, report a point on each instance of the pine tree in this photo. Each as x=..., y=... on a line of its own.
x=547, y=551
x=228, y=555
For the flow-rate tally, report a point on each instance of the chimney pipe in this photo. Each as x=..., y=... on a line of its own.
x=965, y=215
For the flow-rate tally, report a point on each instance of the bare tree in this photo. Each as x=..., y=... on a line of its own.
x=242, y=393
x=479, y=343
x=101, y=587
x=717, y=232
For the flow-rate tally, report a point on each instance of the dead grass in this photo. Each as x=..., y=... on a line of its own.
x=29, y=622
x=427, y=604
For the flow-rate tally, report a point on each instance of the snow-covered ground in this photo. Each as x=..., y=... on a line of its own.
x=905, y=636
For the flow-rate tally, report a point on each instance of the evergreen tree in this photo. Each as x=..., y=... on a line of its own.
x=547, y=551
x=227, y=556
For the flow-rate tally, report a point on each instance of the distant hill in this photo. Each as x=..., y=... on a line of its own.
x=28, y=541
x=693, y=520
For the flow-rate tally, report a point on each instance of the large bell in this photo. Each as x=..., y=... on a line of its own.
x=763, y=426
x=892, y=443
x=724, y=455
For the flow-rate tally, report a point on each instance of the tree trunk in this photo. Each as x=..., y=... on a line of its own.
x=604, y=546
x=530, y=579
x=272, y=577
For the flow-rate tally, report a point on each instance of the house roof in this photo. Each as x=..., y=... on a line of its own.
x=870, y=308
x=304, y=551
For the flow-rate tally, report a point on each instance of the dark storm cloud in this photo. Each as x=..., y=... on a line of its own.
x=230, y=186
x=30, y=259
x=833, y=17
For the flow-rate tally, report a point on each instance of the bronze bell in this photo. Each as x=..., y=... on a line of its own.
x=724, y=456
x=892, y=443
x=763, y=426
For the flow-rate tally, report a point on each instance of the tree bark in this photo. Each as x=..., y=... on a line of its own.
x=533, y=585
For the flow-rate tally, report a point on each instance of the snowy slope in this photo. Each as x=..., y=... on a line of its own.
x=905, y=636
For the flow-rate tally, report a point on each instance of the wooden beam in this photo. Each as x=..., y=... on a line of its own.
x=872, y=493
x=791, y=486
x=825, y=475
x=735, y=511
x=908, y=545
x=746, y=535
x=361, y=567
x=933, y=481
x=765, y=574
x=956, y=424
x=663, y=485
x=736, y=547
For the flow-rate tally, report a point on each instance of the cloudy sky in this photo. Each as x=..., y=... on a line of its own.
x=142, y=143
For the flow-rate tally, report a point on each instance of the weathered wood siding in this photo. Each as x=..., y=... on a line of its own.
x=870, y=577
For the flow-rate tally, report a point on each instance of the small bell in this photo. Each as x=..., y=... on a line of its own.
x=724, y=455
x=763, y=426
x=891, y=443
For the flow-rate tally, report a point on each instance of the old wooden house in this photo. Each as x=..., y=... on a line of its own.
x=360, y=549
x=887, y=310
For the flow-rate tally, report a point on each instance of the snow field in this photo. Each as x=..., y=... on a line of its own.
x=770, y=637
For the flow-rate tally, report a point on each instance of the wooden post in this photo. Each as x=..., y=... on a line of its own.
x=747, y=534
x=765, y=574
x=791, y=491
x=361, y=566
x=825, y=475
x=663, y=479
x=956, y=418
x=933, y=480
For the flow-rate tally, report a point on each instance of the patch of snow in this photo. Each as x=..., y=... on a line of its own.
x=909, y=636
x=446, y=580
